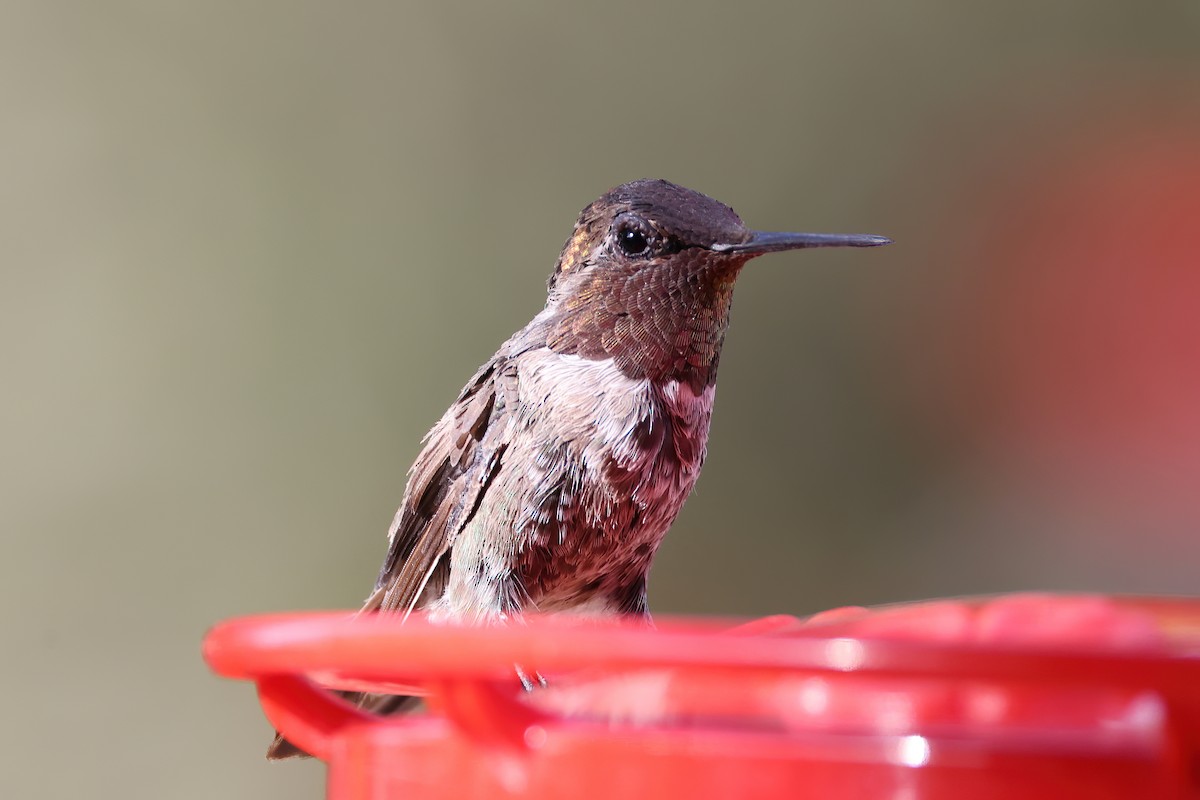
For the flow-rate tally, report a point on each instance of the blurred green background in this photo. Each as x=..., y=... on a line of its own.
x=250, y=252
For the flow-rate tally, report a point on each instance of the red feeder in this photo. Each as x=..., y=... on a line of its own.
x=1023, y=696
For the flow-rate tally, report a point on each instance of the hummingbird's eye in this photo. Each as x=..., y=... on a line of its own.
x=633, y=237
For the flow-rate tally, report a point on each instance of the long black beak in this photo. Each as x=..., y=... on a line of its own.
x=771, y=242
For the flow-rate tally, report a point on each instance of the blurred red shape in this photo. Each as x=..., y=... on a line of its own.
x=1076, y=303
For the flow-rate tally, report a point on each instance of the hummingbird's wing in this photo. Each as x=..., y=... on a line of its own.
x=461, y=456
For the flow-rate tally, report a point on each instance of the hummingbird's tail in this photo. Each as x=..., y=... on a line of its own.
x=381, y=704
x=281, y=748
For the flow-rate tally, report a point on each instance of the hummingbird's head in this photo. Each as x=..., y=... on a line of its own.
x=647, y=278
x=641, y=228
x=653, y=226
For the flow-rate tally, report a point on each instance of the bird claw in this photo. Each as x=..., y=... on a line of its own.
x=530, y=682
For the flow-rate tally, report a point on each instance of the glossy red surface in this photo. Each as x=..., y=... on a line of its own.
x=1030, y=696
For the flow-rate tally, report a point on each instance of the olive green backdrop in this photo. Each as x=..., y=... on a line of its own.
x=250, y=251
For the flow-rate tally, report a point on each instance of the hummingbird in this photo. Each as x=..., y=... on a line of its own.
x=551, y=480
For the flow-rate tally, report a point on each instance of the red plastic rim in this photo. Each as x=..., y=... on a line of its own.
x=933, y=686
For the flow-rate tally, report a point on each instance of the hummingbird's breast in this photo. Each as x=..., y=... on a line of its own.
x=597, y=468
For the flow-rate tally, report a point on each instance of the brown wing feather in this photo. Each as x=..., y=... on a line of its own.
x=461, y=456
x=444, y=488
x=448, y=477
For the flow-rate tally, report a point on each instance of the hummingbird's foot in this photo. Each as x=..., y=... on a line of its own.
x=530, y=682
